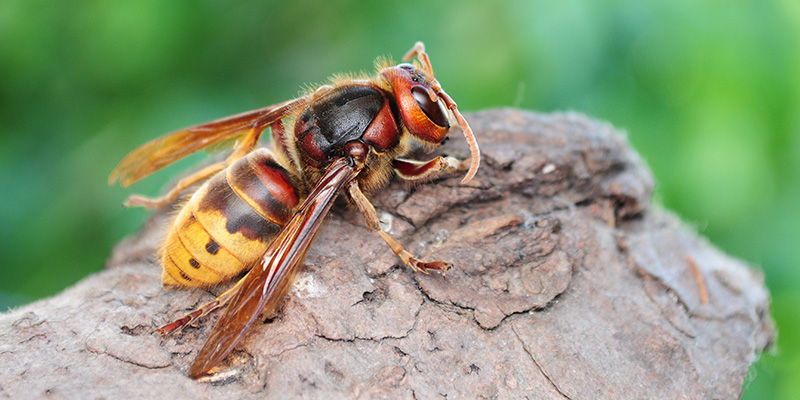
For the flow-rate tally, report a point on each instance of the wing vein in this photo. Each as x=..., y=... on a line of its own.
x=266, y=283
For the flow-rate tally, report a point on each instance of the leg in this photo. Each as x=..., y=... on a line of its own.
x=200, y=312
x=279, y=137
x=242, y=148
x=413, y=170
x=246, y=144
x=371, y=218
x=158, y=202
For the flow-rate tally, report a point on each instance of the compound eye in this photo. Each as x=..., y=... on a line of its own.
x=435, y=112
x=406, y=66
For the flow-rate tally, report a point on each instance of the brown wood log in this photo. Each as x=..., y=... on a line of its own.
x=568, y=283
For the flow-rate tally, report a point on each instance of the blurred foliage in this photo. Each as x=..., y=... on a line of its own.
x=708, y=91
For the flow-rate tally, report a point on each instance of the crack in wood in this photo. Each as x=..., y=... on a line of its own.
x=538, y=366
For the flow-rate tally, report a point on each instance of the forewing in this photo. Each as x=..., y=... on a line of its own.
x=267, y=282
x=167, y=149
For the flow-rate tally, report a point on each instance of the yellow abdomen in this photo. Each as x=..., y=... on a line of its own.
x=228, y=223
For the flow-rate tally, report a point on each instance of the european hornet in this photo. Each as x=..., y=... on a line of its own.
x=260, y=209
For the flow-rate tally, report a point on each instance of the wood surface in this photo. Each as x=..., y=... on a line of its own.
x=568, y=283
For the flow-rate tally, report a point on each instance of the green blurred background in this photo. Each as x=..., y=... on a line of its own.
x=708, y=91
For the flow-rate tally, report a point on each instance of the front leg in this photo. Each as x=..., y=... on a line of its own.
x=371, y=218
x=414, y=170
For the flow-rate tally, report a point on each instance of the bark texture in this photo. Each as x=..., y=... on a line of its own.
x=568, y=283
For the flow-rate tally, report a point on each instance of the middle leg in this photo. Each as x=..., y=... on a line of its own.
x=371, y=218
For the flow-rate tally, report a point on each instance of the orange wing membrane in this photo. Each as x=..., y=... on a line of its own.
x=165, y=150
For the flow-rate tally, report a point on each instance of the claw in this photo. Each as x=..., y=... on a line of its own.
x=179, y=324
x=423, y=266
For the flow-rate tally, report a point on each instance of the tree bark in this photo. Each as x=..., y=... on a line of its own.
x=568, y=283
